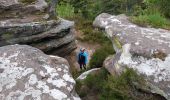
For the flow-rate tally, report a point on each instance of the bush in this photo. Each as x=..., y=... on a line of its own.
x=122, y=87
x=92, y=84
x=107, y=87
x=100, y=55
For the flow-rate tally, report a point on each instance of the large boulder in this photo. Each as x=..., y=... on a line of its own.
x=147, y=50
x=26, y=73
x=53, y=36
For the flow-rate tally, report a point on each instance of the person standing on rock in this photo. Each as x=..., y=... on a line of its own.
x=82, y=58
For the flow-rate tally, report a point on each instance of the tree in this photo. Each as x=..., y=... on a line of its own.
x=165, y=7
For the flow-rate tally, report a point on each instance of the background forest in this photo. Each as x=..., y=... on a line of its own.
x=143, y=12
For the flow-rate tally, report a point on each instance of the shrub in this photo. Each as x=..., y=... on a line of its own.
x=107, y=87
x=92, y=84
x=100, y=55
x=93, y=81
x=122, y=87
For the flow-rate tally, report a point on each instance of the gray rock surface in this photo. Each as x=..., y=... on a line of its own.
x=26, y=73
x=144, y=41
x=15, y=8
x=51, y=36
x=85, y=74
x=147, y=50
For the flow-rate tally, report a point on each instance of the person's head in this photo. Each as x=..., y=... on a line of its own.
x=82, y=50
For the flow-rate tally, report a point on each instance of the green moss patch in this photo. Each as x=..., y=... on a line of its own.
x=27, y=1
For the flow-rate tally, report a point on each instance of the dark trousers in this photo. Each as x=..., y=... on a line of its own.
x=82, y=65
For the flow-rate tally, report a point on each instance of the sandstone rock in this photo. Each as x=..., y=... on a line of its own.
x=26, y=73
x=15, y=8
x=147, y=50
x=51, y=36
x=48, y=35
x=144, y=41
x=85, y=74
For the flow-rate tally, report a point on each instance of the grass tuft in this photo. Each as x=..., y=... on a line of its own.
x=65, y=10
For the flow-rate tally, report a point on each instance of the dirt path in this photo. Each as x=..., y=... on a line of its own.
x=90, y=48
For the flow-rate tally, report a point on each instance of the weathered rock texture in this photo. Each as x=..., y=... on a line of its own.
x=26, y=73
x=28, y=24
x=146, y=50
x=85, y=74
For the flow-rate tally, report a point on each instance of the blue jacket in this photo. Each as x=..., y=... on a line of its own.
x=86, y=56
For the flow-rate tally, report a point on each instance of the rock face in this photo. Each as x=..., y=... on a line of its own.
x=28, y=23
x=16, y=8
x=26, y=73
x=147, y=50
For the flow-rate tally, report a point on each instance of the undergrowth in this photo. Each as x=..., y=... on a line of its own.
x=100, y=55
x=108, y=87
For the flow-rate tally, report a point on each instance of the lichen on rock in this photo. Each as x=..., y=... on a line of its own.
x=28, y=73
x=146, y=50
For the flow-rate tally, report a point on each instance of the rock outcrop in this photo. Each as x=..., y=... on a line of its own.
x=85, y=74
x=147, y=50
x=26, y=22
x=26, y=73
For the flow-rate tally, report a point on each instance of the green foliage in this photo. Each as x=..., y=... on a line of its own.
x=122, y=87
x=65, y=10
x=153, y=13
x=144, y=12
x=108, y=87
x=155, y=20
x=93, y=81
x=90, y=34
x=91, y=8
x=165, y=7
x=27, y=1
x=100, y=55
x=92, y=84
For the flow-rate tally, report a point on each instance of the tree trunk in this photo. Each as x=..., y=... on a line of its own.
x=52, y=9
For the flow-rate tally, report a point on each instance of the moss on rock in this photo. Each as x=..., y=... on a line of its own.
x=27, y=1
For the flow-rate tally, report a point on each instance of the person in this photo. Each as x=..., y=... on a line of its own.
x=82, y=58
